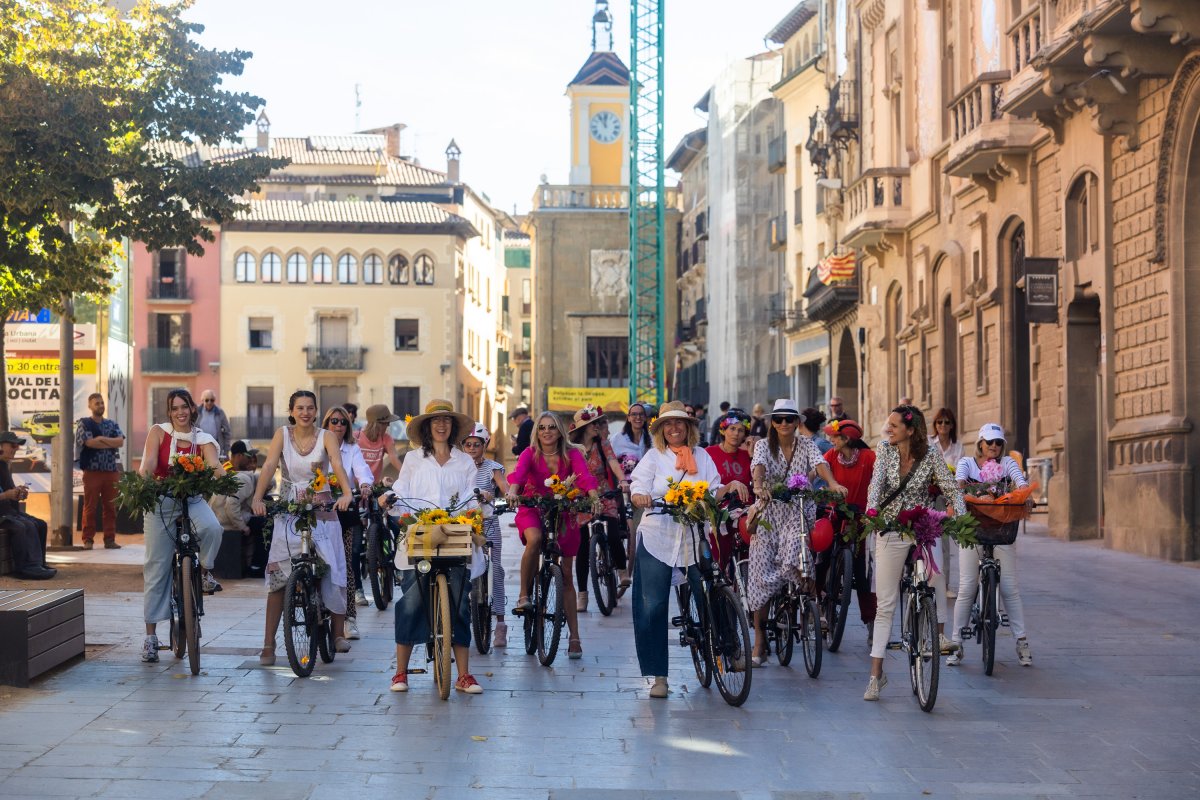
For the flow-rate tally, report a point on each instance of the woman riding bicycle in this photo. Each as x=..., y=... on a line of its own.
x=775, y=552
x=301, y=449
x=337, y=421
x=630, y=445
x=551, y=454
x=905, y=469
x=852, y=463
x=733, y=464
x=434, y=475
x=589, y=431
x=664, y=545
x=489, y=480
x=177, y=436
x=989, y=447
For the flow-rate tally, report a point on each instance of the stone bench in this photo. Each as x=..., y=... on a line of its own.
x=40, y=629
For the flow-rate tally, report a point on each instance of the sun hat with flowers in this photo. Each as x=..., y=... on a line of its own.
x=844, y=427
x=584, y=417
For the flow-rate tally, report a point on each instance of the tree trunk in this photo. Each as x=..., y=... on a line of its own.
x=3, y=377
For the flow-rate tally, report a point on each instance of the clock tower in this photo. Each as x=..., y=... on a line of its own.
x=599, y=95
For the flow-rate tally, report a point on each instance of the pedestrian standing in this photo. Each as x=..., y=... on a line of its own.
x=27, y=534
x=234, y=511
x=213, y=421
x=97, y=440
x=524, y=435
x=630, y=444
x=758, y=427
x=837, y=409
x=944, y=438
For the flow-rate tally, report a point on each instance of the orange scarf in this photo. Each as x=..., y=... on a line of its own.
x=684, y=459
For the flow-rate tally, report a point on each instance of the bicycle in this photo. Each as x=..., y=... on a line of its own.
x=187, y=594
x=713, y=626
x=481, y=592
x=839, y=583
x=985, y=610
x=381, y=554
x=919, y=630
x=307, y=623
x=601, y=548
x=546, y=614
x=797, y=602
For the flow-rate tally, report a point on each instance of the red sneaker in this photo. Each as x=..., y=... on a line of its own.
x=400, y=682
x=468, y=684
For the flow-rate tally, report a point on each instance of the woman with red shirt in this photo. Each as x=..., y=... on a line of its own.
x=733, y=465
x=852, y=463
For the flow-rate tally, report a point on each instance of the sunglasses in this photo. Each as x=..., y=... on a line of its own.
x=786, y=420
x=546, y=428
x=473, y=443
x=993, y=442
x=339, y=422
x=942, y=422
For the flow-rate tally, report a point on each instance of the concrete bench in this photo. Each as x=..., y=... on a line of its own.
x=40, y=629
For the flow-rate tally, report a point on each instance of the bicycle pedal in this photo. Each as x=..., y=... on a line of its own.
x=677, y=622
x=1004, y=620
x=967, y=632
x=417, y=671
x=895, y=645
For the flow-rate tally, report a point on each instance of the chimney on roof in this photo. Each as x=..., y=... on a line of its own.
x=391, y=134
x=263, y=124
x=452, y=155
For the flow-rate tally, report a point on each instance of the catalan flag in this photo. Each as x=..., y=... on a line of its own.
x=836, y=267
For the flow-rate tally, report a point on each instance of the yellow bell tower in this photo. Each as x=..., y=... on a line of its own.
x=599, y=95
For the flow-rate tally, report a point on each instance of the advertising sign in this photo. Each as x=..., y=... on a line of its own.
x=1041, y=290
x=566, y=398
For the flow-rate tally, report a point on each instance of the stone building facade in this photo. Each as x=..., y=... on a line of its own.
x=1019, y=180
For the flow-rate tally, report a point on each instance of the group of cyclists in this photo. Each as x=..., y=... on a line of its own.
x=624, y=479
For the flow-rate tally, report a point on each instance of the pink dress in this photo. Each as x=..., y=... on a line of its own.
x=529, y=478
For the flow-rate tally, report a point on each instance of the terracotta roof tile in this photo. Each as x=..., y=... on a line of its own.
x=360, y=213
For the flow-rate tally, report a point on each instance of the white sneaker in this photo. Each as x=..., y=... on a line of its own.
x=150, y=650
x=949, y=646
x=874, y=685
x=351, y=628
x=581, y=602
x=659, y=689
x=955, y=658
x=360, y=598
x=209, y=585
x=1023, y=654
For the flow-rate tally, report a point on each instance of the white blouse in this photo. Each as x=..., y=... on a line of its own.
x=424, y=483
x=622, y=445
x=663, y=538
x=355, y=465
x=951, y=455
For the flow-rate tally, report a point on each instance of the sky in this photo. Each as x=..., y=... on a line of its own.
x=491, y=75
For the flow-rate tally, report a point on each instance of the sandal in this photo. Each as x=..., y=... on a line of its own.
x=341, y=645
x=574, y=655
x=267, y=659
x=522, y=606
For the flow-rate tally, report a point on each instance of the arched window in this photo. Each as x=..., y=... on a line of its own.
x=423, y=274
x=322, y=268
x=347, y=271
x=398, y=270
x=271, y=268
x=373, y=269
x=297, y=268
x=245, y=269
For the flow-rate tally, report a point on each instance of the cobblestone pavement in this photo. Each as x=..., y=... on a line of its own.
x=1108, y=709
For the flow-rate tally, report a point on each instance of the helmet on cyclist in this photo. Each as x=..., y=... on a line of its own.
x=479, y=432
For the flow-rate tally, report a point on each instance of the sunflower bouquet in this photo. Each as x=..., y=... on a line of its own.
x=442, y=532
x=303, y=505
x=692, y=501
x=187, y=476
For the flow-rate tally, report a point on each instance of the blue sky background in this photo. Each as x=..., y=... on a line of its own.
x=490, y=74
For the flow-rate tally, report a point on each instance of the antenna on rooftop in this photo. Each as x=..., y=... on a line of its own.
x=358, y=106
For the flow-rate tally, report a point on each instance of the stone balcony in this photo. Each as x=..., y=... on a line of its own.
x=877, y=213
x=568, y=197
x=988, y=145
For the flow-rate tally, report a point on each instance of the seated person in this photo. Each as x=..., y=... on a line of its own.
x=234, y=512
x=27, y=534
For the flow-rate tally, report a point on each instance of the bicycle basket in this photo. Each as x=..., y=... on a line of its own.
x=1002, y=534
x=439, y=541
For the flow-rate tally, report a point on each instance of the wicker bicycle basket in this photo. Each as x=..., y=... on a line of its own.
x=439, y=541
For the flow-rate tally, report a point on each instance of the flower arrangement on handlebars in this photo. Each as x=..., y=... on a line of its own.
x=564, y=496
x=187, y=476
x=628, y=462
x=925, y=527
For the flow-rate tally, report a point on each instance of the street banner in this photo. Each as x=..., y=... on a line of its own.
x=569, y=398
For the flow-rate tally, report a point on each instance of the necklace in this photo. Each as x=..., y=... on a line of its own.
x=848, y=462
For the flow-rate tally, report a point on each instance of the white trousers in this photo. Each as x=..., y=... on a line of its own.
x=891, y=552
x=968, y=583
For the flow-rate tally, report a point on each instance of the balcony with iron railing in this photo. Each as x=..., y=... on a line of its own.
x=841, y=118
x=335, y=359
x=984, y=139
x=170, y=360
x=777, y=235
x=590, y=198
x=877, y=208
x=777, y=154
x=1025, y=38
x=169, y=290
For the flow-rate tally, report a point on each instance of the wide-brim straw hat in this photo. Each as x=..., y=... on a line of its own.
x=439, y=408
x=672, y=410
x=584, y=417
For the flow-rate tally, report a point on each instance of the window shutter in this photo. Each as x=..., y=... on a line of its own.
x=152, y=326
x=155, y=259
x=185, y=324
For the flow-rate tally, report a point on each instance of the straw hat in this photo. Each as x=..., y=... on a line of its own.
x=381, y=414
x=439, y=408
x=584, y=417
x=672, y=410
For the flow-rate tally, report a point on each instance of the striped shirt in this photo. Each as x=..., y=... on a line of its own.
x=485, y=481
x=968, y=470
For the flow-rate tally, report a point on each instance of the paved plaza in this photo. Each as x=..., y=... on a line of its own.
x=1109, y=709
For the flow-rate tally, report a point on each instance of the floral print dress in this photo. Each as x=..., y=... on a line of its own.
x=775, y=552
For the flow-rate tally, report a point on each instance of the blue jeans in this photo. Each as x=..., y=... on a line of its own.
x=412, y=618
x=158, y=531
x=651, y=601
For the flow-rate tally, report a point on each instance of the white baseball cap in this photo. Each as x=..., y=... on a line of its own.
x=990, y=431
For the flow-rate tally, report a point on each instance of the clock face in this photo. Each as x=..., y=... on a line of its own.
x=605, y=127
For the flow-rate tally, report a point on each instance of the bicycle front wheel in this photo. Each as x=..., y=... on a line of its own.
x=440, y=641
x=925, y=657
x=989, y=619
x=811, y=639
x=298, y=638
x=783, y=616
x=190, y=618
x=604, y=581
x=693, y=633
x=178, y=636
x=481, y=612
x=837, y=599
x=550, y=614
x=729, y=645
x=377, y=571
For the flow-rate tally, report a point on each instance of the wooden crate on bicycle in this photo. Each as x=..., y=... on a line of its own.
x=444, y=540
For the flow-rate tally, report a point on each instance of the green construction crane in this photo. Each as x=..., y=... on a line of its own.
x=647, y=204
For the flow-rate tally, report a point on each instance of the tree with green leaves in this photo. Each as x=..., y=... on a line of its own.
x=102, y=113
